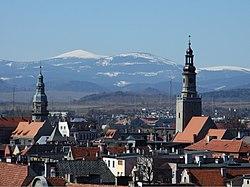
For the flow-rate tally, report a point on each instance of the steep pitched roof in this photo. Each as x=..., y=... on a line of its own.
x=26, y=150
x=213, y=177
x=9, y=150
x=219, y=133
x=80, y=168
x=85, y=153
x=12, y=174
x=227, y=146
x=193, y=128
x=206, y=177
x=110, y=133
x=56, y=136
x=56, y=181
x=12, y=121
x=115, y=150
x=27, y=130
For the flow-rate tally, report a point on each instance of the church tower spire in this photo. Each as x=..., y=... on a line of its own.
x=189, y=74
x=40, y=103
x=188, y=104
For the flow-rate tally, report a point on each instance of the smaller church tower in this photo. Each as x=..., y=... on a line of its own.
x=40, y=103
x=188, y=104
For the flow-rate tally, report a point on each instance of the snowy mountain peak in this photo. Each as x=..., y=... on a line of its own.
x=226, y=68
x=79, y=54
x=150, y=57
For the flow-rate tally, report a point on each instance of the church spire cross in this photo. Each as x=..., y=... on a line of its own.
x=40, y=68
x=189, y=43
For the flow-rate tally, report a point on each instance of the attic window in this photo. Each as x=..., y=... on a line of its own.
x=14, y=132
x=19, y=132
x=26, y=132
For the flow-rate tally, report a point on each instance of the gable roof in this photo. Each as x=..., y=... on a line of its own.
x=219, y=133
x=194, y=128
x=115, y=150
x=56, y=136
x=80, y=168
x=27, y=129
x=110, y=133
x=45, y=150
x=200, y=176
x=12, y=174
x=12, y=122
x=227, y=146
x=55, y=181
x=85, y=153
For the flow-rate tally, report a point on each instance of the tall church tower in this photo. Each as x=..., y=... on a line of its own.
x=188, y=104
x=40, y=103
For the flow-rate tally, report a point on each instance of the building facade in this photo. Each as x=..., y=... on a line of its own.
x=188, y=104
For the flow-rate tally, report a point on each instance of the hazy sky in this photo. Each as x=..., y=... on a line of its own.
x=39, y=29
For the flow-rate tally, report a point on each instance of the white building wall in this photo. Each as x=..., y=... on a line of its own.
x=63, y=128
x=118, y=169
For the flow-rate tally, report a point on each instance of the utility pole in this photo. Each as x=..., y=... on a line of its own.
x=13, y=101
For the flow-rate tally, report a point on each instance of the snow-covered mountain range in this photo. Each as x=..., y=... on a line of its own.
x=84, y=71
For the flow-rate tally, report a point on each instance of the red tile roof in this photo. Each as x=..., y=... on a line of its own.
x=26, y=150
x=27, y=129
x=192, y=130
x=56, y=181
x=12, y=174
x=227, y=146
x=207, y=177
x=115, y=150
x=12, y=121
x=110, y=133
x=219, y=133
x=85, y=153
x=213, y=177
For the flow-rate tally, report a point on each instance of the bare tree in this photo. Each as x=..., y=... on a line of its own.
x=146, y=168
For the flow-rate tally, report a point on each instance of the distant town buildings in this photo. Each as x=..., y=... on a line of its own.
x=58, y=149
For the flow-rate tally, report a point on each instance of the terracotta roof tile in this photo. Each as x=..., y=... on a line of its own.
x=27, y=130
x=12, y=174
x=26, y=150
x=85, y=153
x=219, y=133
x=207, y=177
x=213, y=177
x=115, y=150
x=110, y=133
x=227, y=146
x=56, y=181
x=12, y=121
x=193, y=128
